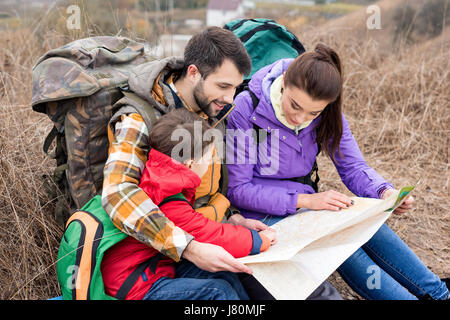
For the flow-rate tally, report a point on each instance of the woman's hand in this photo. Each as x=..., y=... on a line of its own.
x=404, y=207
x=239, y=220
x=328, y=200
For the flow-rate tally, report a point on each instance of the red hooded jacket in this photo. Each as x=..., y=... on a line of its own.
x=164, y=177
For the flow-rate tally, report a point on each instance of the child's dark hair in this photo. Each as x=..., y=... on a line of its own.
x=163, y=139
x=319, y=74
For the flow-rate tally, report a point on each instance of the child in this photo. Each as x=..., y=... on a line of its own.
x=133, y=270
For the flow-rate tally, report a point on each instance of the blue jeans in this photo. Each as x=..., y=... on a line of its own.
x=193, y=283
x=385, y=268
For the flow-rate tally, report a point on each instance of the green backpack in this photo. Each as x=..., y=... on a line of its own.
x=89, y=233
x=80, y=86
x=266, y=41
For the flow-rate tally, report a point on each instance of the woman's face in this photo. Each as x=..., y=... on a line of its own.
x=299, y=107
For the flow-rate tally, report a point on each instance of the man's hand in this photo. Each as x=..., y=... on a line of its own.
x=212, y=258
x=404, y=207
x=239, y=220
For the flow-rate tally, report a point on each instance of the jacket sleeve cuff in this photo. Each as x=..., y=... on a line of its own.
x=257, y=242
x=383, y=189
x=182, y=247
x=292, y=203
x=265, y=243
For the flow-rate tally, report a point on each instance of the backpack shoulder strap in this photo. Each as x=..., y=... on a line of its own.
x=255, y=102
x=255, y=99
x=143, y=107
x=131, y=280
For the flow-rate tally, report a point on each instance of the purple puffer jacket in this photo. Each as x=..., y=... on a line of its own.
x=256, y=184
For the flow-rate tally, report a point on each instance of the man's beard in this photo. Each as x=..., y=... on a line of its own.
x=203, y=103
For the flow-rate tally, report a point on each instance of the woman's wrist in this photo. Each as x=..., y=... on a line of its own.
x=386, y=192
x=302, y=200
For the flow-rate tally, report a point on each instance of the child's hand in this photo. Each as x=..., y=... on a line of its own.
x=253, y=224
x=270, y=234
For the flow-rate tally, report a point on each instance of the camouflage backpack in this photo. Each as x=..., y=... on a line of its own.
x=77, y=86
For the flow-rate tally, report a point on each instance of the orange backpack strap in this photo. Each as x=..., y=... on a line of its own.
x=91, y=234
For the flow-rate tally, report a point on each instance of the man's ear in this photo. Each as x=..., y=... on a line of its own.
x=193, y=74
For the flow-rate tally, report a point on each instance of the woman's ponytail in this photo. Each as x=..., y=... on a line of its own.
x=330, y=56
x=319, y=74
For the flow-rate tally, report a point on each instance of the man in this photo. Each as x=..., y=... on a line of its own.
x=204, y=82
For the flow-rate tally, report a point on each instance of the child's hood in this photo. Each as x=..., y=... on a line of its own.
x=164, y=177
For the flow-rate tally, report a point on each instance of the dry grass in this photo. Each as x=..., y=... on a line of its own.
x=397, y=103
x=28, y=234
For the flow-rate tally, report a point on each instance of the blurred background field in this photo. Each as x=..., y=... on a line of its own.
x=397, y=100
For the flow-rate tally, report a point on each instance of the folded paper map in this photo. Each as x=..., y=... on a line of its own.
x=311, y=245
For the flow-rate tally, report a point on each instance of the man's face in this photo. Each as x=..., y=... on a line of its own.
x=218, y=89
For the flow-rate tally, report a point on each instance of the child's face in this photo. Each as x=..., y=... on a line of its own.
x=201, y=166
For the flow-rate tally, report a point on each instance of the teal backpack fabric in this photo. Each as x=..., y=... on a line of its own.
x=266, y=41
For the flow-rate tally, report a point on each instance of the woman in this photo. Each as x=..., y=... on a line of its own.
x=298, y=103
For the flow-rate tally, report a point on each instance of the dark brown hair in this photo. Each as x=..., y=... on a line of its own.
x=319, y=74
x=161, y=134
x=208, y=49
